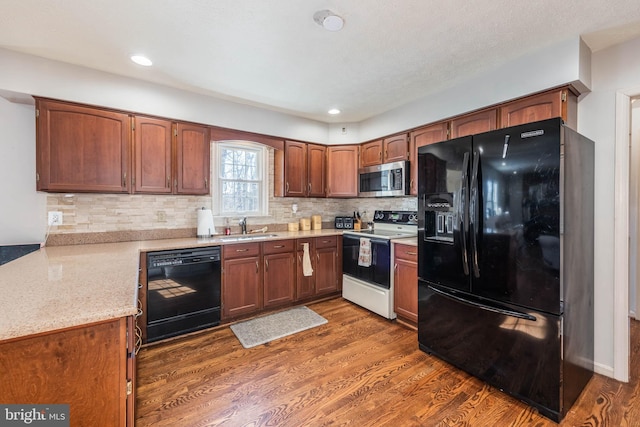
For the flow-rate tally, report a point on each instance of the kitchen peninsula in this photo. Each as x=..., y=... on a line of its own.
x=67, y=334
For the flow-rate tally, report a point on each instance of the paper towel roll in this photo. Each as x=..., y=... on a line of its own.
x=205, y=223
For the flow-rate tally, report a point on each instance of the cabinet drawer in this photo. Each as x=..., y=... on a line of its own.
x=326, y=242
x=241, y=250
x=406, y=252
x=277, y=246
x=300, y=243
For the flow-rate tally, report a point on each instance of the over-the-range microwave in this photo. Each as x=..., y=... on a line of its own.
x=385, y=180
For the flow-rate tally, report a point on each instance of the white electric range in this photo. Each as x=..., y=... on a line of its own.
x=367, y=254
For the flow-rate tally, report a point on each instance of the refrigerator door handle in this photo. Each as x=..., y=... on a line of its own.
x=484, y=305
x=473, y=215
x=462, y=193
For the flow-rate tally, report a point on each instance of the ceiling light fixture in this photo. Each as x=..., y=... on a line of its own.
x=141, y=60
x=333, y=111
x=328, y=20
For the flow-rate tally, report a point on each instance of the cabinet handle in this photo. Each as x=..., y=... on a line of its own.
x=380, y=155
x=411, y=184
x=124, y=179
x=411, y=253
x=257, y=267
x=309, y=188
x=266, y=265
x=278, y=246
x=386, y=154
x=242, y=250
x=206, y=183
x=286, y=188
x=168, y=182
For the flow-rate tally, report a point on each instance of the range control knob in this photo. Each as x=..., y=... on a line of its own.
x=413, y=218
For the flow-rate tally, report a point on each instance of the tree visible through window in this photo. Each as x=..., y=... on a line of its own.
x=240, y=179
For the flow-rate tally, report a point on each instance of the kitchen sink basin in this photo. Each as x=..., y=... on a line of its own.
x=245, y=237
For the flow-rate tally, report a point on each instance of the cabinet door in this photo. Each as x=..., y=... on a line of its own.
x=316, y=160
x=535, y=108
x=395, y=148
x=279, y=278
x=327, y=270
x=193, y=148
x=241, y=290
x=482, y=121
x=82, y=148
x=295, y=169
x=84, y=366
x=305, y=285
x=371, y=154
x=419, y=138
x=342, y=171
x=152, y=155
x=406, y=282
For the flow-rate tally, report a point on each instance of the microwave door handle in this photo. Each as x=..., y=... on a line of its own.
x=389, y=180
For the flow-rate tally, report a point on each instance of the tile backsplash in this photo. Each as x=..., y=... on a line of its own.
x=125, y=213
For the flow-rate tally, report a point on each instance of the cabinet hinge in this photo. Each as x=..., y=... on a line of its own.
x=37, y=113
x=129, y=387
x=564, y=96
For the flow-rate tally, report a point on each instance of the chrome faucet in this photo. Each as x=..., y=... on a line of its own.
x=243, y=225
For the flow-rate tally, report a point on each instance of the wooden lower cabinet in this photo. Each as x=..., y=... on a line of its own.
x=405, y=282
x=87, y=367
x=279, y=272
x=328, y=265
x=305, y=285
x=325, y=256
x=241, y=279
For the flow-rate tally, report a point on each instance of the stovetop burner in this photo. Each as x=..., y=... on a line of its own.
x=391, y=225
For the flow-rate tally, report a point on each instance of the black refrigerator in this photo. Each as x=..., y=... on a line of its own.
x=505, y=260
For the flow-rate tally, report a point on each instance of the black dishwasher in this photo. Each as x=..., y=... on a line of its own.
x=183, y=291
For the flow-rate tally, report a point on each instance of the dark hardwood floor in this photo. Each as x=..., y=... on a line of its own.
x=357, y=370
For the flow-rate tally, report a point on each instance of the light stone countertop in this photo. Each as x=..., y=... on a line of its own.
x=59, y=287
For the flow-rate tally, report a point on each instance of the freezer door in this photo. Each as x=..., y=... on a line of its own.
x=443, y=194
x=515, y=215
x=518, y=355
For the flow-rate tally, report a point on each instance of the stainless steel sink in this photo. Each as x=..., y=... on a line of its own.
x=245, y=237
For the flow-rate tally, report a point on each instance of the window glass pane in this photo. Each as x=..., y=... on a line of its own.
x=241, y=188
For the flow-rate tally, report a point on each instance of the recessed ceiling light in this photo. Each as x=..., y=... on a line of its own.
x=334, y=111
x=328, y=20
x=141, y=60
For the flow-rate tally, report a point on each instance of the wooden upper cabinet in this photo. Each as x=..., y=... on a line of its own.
x=342, y=171
x=418, y=138
x=152, y=155
x=470, y=124
x=395, y=148
x=193, y=151
x=299, y=170
x=371, y=153
x=557, y=103
x=295, y=169
x=316, y=162
x=81, y=149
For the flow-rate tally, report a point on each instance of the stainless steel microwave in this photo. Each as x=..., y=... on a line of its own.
x=385, y=180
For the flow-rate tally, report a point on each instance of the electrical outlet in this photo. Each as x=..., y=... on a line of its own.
x=55, y=218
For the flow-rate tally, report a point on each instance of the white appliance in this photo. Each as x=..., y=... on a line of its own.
x=367, y=274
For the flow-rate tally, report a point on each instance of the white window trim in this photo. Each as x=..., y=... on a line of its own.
x=215, y=179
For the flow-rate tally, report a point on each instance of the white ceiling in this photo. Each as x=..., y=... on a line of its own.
x=271, y=53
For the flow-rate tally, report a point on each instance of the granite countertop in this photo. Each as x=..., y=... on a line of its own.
x=59, y=287
x=412, y=241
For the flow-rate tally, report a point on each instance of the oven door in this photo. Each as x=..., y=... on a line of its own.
x=379, y=272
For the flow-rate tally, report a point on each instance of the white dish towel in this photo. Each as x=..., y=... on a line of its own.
x=307, y=270
x=364, y=256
